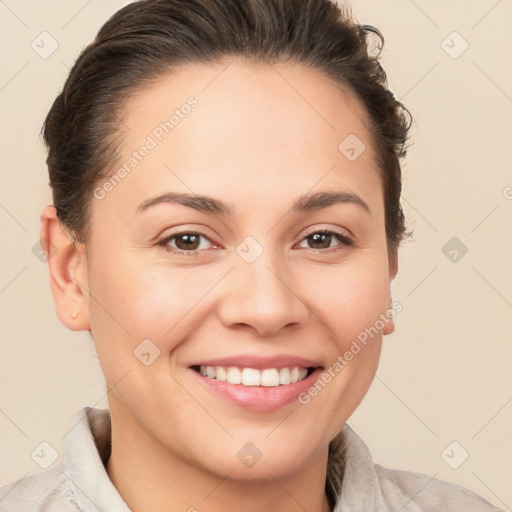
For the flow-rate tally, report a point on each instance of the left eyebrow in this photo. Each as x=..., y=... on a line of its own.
x=325, y=199
x=207, y=204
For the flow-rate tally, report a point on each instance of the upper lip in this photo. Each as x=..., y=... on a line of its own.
x=259, y=362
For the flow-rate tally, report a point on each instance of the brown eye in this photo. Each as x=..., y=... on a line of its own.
x=322, y=239
x=186, y=242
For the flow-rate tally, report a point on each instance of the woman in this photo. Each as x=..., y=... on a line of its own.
x=226, y=221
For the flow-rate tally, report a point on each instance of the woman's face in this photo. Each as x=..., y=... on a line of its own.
x=245, y=279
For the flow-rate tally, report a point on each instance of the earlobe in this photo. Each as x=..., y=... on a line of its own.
x=390, y=313
x=390, y=324
x=68, y=272
x=389, y=327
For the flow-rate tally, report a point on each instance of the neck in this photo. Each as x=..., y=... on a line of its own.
x=150, y=479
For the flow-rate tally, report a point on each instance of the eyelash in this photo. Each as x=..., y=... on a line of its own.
x=343, y=238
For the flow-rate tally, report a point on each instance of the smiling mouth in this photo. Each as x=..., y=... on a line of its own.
x=268, y=377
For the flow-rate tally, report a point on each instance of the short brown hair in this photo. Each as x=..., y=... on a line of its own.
x=149, y=38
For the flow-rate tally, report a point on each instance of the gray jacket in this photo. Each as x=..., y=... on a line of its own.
x=354, y=482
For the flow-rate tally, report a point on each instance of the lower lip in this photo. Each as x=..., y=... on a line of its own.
x=259, y=398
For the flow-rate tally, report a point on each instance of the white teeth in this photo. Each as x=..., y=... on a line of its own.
x=221, y=373
x=270, y=377
x=251, y=377
x=234, y=375
x=284, y=376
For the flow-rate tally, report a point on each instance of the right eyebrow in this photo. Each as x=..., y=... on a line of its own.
x=204, y=204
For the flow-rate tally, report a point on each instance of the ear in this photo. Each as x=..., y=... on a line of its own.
x=68, y=272
x=393, y=269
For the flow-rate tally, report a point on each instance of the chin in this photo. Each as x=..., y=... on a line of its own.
x=263, y=459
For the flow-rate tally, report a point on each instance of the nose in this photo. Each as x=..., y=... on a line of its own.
x=262, y=297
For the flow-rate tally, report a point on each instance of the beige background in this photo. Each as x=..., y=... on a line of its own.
x=445, y=372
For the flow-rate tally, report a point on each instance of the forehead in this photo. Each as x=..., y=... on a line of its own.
x=232, y=94
x=253, y=130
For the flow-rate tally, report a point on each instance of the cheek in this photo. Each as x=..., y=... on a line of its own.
x=136, y=310
x=350, y=298
x=134, y=301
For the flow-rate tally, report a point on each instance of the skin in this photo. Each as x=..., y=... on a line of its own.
x=174, y=442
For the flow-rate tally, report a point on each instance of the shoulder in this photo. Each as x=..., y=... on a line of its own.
x=418, y=492
x=47, y=491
